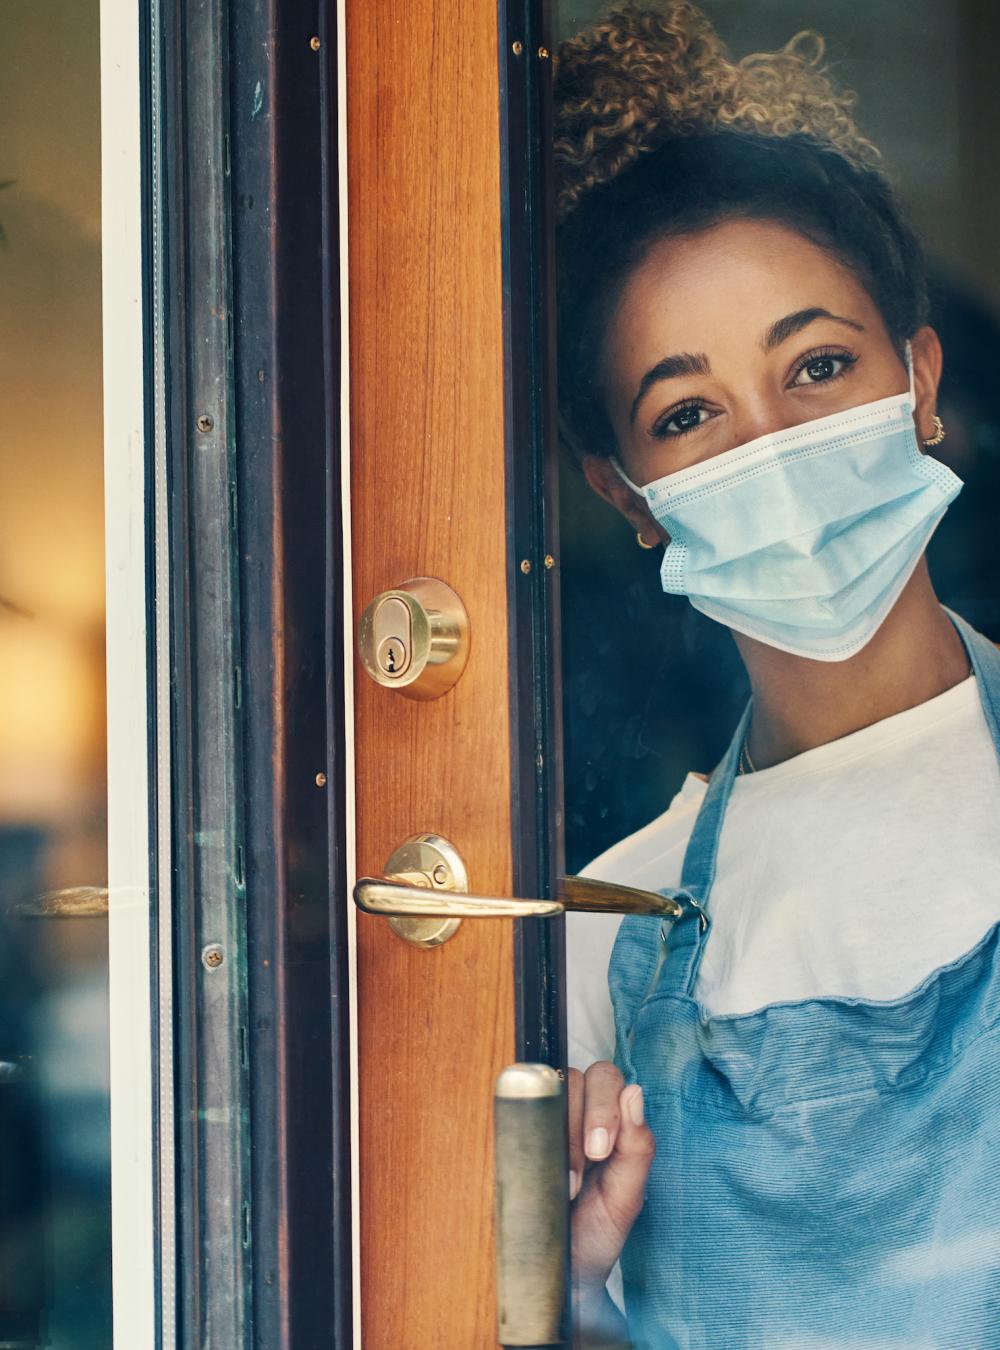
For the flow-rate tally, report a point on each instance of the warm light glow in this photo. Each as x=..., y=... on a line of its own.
x=51, y=469
x=49, y=714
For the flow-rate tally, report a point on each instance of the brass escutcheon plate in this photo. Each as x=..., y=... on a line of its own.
x=431, y=861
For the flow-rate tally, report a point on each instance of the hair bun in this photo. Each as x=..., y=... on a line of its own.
x=647, y=72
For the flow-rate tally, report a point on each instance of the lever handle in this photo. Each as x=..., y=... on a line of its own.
x=411, y=899
x=425, y=895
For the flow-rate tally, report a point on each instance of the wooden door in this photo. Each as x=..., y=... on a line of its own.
x=428, y=498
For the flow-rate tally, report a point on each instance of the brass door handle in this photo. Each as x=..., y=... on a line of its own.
x=380, y=895
x=425, y=895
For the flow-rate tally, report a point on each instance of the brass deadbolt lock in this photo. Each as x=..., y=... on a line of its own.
x=415, y=638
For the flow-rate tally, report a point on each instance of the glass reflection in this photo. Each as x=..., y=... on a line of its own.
x=55, y=1275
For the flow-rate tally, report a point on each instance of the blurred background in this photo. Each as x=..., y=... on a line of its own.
x=652, y=689
x=55, y=1273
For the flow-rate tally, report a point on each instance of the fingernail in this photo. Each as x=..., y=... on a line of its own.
x=598, y=1142
x=574, y=1184
x=635, y=1106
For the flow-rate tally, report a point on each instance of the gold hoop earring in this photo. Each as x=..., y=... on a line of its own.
x=642, y=543
x=939, y=432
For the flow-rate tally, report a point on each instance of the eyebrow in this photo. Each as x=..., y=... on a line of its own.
x=781, y=330
x=688, y=363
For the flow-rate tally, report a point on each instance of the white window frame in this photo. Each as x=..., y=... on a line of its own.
x=140, y=1011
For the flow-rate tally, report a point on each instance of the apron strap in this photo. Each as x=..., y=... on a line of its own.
x=688, y=936
x=985, y=661
x=649, y=950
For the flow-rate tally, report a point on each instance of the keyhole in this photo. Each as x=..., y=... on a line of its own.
x=393, y=657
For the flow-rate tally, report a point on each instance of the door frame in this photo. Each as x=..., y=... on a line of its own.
x=139, y=1057
x=242, y=166
x=532, y=477
x=239, y=104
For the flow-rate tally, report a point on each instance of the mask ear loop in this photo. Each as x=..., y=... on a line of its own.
x=625, y=478
x=909, y=371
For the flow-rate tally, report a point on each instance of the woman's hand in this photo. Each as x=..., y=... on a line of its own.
x=611, y=1150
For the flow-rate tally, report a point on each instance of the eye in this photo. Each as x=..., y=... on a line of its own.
x=820, y=367
x=678, y=421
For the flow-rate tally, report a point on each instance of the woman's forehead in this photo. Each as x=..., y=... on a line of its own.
x=725, y=285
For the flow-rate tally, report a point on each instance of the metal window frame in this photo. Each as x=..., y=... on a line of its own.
x=527, y=232
x=284, y=157
x=251, y=268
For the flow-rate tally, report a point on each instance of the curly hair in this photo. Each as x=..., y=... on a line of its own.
x=644, y=73
x=658, y=132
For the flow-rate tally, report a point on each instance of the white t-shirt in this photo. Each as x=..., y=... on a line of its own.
x=851, y=870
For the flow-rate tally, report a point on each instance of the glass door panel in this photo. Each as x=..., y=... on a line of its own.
x=652, y=689
x=55, y=1181
x=74, y=823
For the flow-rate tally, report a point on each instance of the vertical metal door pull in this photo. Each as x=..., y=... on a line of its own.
x=532, y=1206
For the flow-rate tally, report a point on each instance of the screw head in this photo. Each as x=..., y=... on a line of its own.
x=543, y=52
x=440, y=875
x=517, y=48
x=550, y=562
x=205, y=423
x=321, y=780
x=525, y=565
x=213, y=956
x=315, y=43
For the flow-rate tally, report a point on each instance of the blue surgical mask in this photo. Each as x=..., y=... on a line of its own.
x=805, y=538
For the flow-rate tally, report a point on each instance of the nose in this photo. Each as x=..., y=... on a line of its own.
x=759, y=415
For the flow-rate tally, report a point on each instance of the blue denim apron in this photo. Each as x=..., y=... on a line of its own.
x=827, y=1174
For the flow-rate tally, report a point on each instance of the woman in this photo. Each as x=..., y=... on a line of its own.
x=748, y=376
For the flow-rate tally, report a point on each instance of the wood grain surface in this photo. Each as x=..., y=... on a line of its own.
x=428, y=499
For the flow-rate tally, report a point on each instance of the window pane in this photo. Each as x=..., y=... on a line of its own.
x=652, y=688
x=55, y=1248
